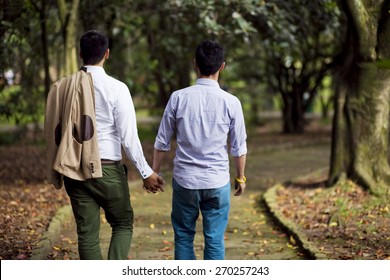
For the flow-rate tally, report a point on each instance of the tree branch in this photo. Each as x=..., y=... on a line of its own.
x=384, y=32
x=62, y=10
x=364, y=28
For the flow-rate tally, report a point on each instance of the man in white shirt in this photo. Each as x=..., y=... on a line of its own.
x=116, y=127
x=203, y=116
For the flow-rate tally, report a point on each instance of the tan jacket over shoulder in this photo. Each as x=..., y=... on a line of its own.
x=70, y=128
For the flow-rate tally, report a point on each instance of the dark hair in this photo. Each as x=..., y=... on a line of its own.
x=209, y=57
x=93, y=46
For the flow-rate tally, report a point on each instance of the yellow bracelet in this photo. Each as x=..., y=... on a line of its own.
x=241, y=181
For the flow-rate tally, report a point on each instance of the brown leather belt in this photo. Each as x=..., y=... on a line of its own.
x=109, y=162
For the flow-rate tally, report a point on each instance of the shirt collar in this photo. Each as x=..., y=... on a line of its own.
x=94, y=69
x=207, y=82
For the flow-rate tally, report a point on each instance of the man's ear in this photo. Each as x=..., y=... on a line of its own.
x=195, y=66
x=222, y=66
x=107, y=54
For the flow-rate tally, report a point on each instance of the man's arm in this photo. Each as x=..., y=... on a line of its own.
x=157, y=159
x=238, y=148
x=125, y=119
x=166, y=129
x=240, y=180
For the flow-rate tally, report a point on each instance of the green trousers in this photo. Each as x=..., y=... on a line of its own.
x=111, y=193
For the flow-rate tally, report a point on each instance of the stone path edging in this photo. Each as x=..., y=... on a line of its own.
x=44, y=246
x=309, y=248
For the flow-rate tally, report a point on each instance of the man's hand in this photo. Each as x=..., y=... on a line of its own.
x=154, y=183
x=239, y=187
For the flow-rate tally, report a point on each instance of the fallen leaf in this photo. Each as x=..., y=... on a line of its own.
x=290, y=246
x=165, y=249
x=22, y=257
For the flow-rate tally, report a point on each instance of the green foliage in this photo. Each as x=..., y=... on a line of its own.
x=299, y=40
x=21, y=51
x=147, y=132
x=152, y=45
x=21, y=107
x=385, y=64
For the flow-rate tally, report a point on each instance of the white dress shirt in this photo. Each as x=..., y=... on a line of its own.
x=203, y=116
x=116, y=121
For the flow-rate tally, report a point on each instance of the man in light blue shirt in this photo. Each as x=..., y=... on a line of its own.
x=203, y=117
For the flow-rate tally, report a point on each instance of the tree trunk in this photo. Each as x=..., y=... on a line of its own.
x=288, y=126
x=69, y=20
x=293, y=115
x=361, y=122
x=339, y=157
x=41, y=10
x=369, y=111
x=45, y=48
x=298, y=117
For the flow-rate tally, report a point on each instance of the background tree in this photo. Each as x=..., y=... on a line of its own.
x=300, y=38
x=41, y=7
x=152, y=45
x=361, y=123
x=68, y=12
x=173, y=30
x=25, y=51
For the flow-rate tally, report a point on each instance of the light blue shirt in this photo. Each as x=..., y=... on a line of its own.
x=203, y=116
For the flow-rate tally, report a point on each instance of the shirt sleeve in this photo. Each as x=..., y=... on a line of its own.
x=125, y=118
x=167, y=127
x=237, y=132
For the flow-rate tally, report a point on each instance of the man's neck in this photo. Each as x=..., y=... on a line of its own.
x=211, y=77
x=101, y=63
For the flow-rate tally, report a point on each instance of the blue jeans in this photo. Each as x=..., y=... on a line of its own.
x=214, y=204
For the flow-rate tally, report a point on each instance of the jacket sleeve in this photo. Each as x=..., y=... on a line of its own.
x=85, y=122
x=52, y=129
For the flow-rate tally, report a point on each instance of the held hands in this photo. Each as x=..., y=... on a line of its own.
x=239, y=186
x=154, y=183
